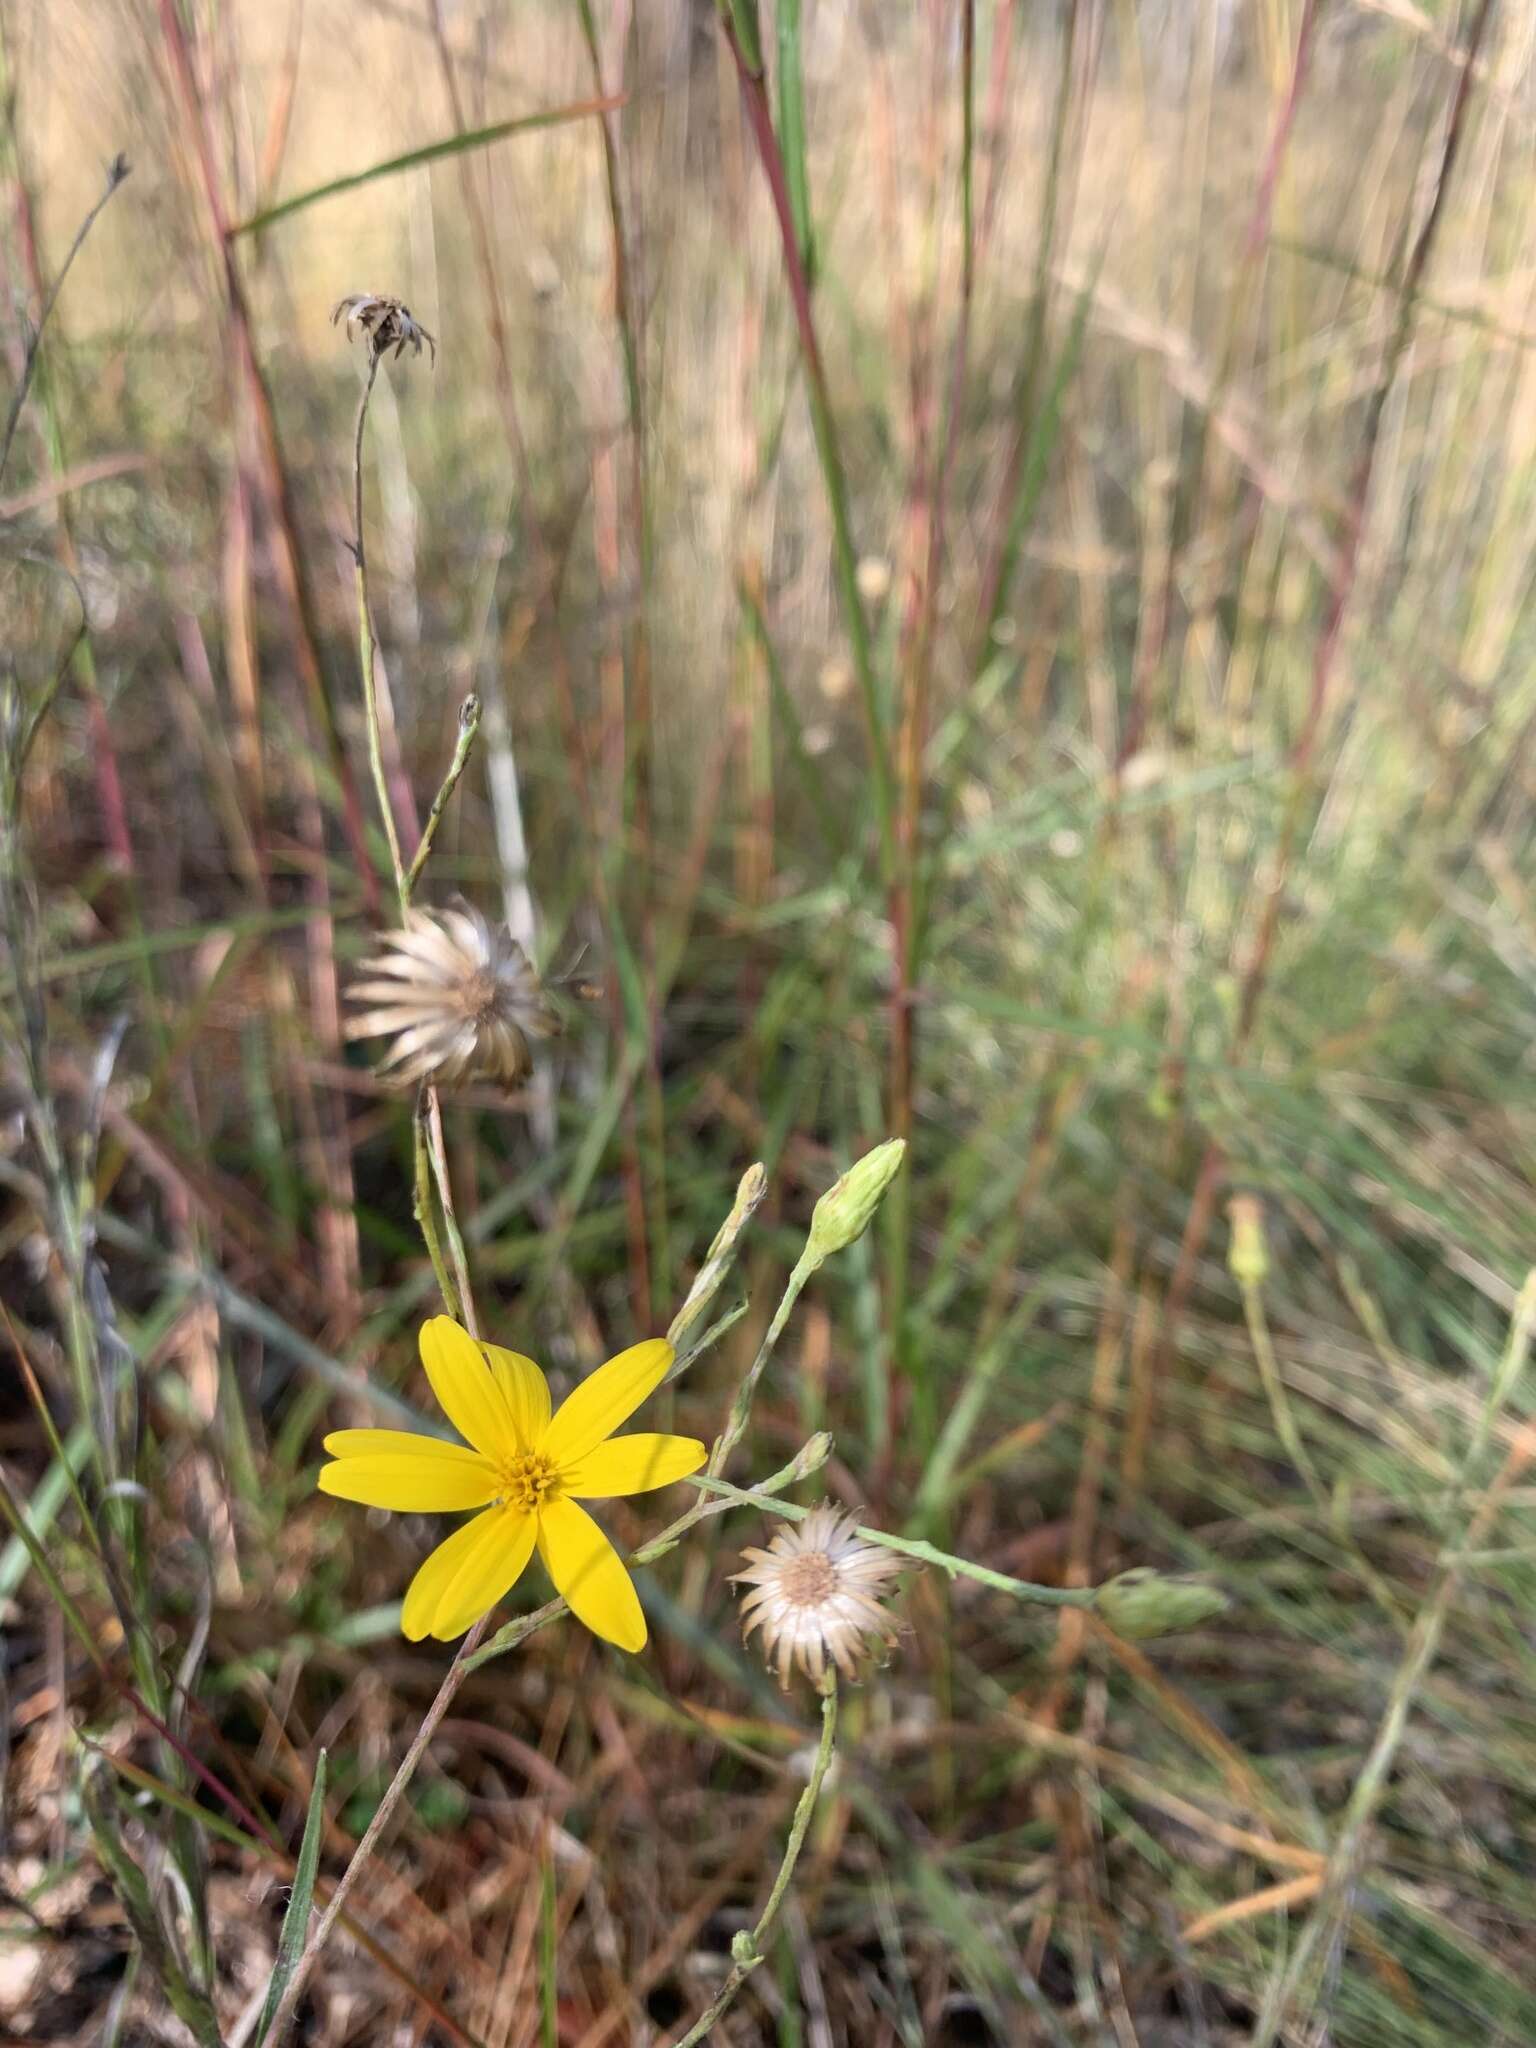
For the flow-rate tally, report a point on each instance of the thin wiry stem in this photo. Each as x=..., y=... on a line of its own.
x=910, y=1546
x=469, y=726
x=439, y=1155
x=453, y=1678
x=747, y=1948
x=365, y=644
x=426, y=1220
x=117, y=170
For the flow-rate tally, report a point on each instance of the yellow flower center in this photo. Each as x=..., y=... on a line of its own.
x=809, y=1579
x=528, y=1480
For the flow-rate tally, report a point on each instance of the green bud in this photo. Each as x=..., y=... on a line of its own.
x=1143, y=1603
x=843, y=1214
x=1247, y=1254
x=813, y=1454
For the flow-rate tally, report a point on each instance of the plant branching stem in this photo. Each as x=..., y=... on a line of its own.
x=910, y=1546
x=469, y=727
x=747, y=1948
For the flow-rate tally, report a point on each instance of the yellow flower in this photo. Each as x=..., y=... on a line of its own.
x=527, y=1469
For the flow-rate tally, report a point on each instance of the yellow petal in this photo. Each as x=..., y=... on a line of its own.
x=412, y=1484
x=441, y=1567
x=467, y=1391
x=435, y=1574
x=525, y=1391
x=384, y=1443
x=606, y=1398
x=487, y=1570
x=632, y=1464
x=586, y=1569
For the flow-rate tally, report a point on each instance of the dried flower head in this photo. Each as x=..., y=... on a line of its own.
x=816, y=1593
x=388, y=323
x=459, y=997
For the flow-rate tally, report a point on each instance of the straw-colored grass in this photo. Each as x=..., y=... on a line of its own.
x=1161, y=833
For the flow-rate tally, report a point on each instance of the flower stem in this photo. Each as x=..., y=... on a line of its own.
x=747, y=1948
x=909, y=1546
x=741, y=1407
x=365, y=644
x=426, y=1219
x=469, y=726
x=439, y=1151
x=453, y=1678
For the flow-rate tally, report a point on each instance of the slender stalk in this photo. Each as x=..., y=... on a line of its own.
x=453, y=1678
x=741, y=1407
x=426, y=1220
x=913, y=1547
x=429, y=1147
x=469, y=727
x=747, y=1948
x=439, y=1155
x=117, y=170
x=365, y=642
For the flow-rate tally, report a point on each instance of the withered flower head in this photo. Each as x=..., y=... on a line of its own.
x=388, y=323
x=459, y=997
x=816, y=1593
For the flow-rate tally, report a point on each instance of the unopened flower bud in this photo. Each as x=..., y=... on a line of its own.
x=1143, y=1603
x=813, y=1454
x=1247, y=1254
x=843, y=1214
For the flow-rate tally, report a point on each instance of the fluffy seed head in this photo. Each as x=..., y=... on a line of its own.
x=388, y=323
x=459, y=997
x=816, y=1594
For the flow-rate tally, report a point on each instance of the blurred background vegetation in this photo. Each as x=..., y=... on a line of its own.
x=1077, y=716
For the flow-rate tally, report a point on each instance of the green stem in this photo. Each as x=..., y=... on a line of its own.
x=365, y=644
x=736, y=1421
x=439, y=1152
x=913, y=1547
x=469, y=726
x=747, y=1948
x=426, y=1220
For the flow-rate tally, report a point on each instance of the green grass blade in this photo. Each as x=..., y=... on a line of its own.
x=792, y=132
x=1043, y=437
x=449, y=145
x=290, y=1943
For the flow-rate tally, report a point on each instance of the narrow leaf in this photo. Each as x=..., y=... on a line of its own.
x=290, y=1943
x=792, y=132
x=450, y=145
